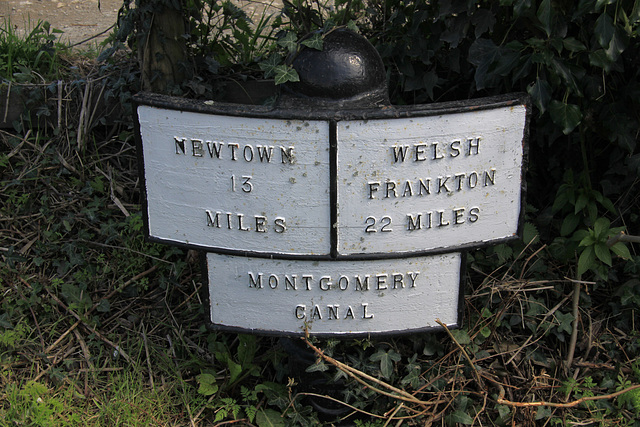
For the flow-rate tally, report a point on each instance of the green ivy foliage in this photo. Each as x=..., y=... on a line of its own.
x=578, y=61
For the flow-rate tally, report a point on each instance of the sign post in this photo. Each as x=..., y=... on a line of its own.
x=341, y=218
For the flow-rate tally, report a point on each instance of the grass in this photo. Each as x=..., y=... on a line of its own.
x=30, y=57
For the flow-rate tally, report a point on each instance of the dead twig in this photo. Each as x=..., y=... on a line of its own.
x=622, y=237
x=572, y=404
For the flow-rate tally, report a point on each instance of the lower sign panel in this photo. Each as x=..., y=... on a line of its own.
x=334, y=297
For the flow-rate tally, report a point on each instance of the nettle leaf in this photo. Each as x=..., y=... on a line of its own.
x=247, y=348
x=285, y=73
x=601, y=228
x=569, y=224
x=621, y=250
x=207, y=384
x=314, y=42
x=269, y=418
x=529, y=233
x=602, y=252
x=540, y=92
x=567, y=116
x=234, y=370
x=587, y=260
x=351, y=25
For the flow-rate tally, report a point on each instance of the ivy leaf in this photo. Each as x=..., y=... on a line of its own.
x=545, y=16
x=461, y=417
x=386, y=359
x=600, y=59
x=430, y=80
x=522, y=6
x=319, y=366
x=567, y=116
x=601, y=3
x=562, y=70
x=483, y=20
x=540, y=92
x=461, y=336
x=565, y=321
x=604, y=30
x=289, y=42
x=573, y=45
x=635, y=13
x=285, y=74
x=543, y=412
x=617, y=45
x=314, y=42
x=491, y=61
x=269, y=65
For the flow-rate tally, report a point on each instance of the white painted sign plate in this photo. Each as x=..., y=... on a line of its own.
x=238, y=183
x=334, y=297
x=429, y=183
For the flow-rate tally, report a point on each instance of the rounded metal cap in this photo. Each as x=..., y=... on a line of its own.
x=347, y=72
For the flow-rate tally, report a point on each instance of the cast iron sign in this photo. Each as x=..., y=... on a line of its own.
x=342, y=222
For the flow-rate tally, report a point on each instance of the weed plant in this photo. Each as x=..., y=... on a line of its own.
x=100, y=327
x=32, y=57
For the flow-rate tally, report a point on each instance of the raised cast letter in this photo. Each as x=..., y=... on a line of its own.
x=197, y=147
x=255, y=282
x=366, y=315
x=280, y=225
x=287, y=153
x=179, y=144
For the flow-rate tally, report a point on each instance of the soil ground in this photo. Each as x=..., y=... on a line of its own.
x=84, y=21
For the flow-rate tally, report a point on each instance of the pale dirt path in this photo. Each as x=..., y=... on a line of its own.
x=82, y=19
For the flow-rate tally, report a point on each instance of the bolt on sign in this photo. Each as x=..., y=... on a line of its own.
x=342, y=223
